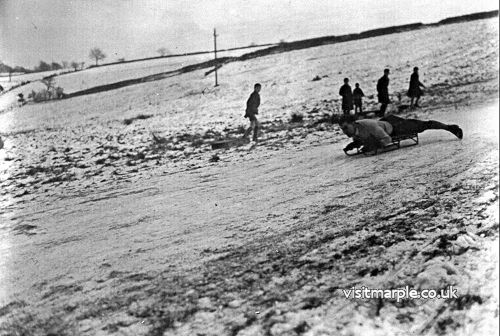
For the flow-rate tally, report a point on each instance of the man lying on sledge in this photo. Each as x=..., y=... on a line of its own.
x=370, y=134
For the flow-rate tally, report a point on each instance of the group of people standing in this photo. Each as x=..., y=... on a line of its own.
x=351, y=99
x=354, y=98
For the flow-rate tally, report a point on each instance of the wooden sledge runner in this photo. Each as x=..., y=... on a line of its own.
x=396, y=144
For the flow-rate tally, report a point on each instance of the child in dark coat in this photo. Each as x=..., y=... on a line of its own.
x=358, y=95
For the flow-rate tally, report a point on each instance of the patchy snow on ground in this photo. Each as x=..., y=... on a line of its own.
x=107, y=230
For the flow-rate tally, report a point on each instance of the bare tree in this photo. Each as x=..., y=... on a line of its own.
x=65, y=64
x=75, y=65
x=49, y=82
x=163, y=51
x=96, y=54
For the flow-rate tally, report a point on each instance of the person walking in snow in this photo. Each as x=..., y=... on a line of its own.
x=251, y=112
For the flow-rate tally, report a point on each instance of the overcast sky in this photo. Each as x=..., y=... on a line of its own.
x=57, y=30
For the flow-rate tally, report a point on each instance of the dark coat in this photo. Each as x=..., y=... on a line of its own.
x=357, y=94
x=346, y=93
x=253, y=103
x=414, y=90
x=383, y=90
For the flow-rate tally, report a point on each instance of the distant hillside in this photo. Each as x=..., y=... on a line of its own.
x=287, y=46
x=302, y=44
x=470, y=17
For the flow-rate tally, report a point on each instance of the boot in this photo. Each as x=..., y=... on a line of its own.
x=457, y=131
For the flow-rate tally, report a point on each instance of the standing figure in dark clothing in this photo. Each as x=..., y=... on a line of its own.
x=358, y=95
x=415, y=90
x=251, y=112
x=346, y=93
x=383, y=92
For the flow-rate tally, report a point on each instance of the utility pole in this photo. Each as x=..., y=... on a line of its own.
x=215, y=52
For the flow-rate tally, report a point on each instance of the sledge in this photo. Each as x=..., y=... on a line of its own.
x=396, y=144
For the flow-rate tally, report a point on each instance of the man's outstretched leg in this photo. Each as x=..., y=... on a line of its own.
x=433, y=124
x=408, y=126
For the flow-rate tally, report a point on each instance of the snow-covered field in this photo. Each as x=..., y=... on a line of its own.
x=76, y=81
x=106, y=231
x=7, y=82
